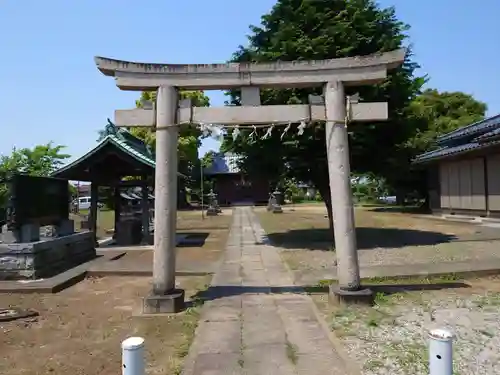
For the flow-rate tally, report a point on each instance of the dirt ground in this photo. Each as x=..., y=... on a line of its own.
x=392, y=336
x=383, y=238
x=207, y=240
x=186, y=220
x=79, y=330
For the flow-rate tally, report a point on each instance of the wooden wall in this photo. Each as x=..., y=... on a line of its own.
x=493, y=184
x=462, y=184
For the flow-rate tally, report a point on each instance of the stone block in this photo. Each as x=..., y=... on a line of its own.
x=212, y=211
x=28, y=233
x=65, y=228
x=47, y=258
x=277, y=209
x=172, y=302
x=337, y=295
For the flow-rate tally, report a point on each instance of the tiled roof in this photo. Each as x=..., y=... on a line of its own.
x=122, y=139
x=476, y=128
x=444, y=152
x=224, y=164
x=478, y=135
x=493, y=134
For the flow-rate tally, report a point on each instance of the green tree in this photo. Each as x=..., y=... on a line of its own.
x=42, y=160
x=436, y=113
x=309, y=30
x=189, y=136
x=208, y=159
x=432, y=114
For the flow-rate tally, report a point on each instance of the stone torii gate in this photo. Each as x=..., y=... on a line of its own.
x=168, y=113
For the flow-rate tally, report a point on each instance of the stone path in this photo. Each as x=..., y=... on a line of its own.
x=256, y=322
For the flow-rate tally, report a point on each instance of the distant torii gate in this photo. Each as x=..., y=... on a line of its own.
x=166, y=79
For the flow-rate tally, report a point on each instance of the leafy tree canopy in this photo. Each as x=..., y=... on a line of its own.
x=42, y=160
x=436, y=113
x=189, y=136
x=310, y=30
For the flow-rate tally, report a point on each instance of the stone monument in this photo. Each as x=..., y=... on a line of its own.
x=169, y=113
x=41, y=242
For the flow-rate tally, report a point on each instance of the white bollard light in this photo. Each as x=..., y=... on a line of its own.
x=440, y=352
x=133, y=356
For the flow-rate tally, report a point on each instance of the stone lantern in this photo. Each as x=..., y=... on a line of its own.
x=276, y=207
x=213, y=207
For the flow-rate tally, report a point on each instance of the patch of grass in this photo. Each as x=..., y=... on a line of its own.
x=381, y=299
x=487, y=300
x=326, y=282
x=343, y=319
x=412, y=280
x=486, y=333
x=406, y=280
x=291, y=352
x=176, y=367
x=411, y=357
x=373, y=364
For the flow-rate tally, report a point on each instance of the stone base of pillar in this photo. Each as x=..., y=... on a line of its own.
x=277, y=210
x=212, y=211
x=338, y=296
x=173, y=302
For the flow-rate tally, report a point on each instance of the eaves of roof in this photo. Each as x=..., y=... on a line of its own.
x=119, y=143
x=472, y=129
x=445, y=152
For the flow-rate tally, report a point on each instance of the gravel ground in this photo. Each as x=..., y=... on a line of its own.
x=445, y=252
x=391, y=338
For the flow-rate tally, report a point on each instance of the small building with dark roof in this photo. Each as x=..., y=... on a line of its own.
x=118, y=155
x=463, y=171
x=232, y=185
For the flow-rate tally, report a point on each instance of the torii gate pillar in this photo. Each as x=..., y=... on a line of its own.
x=337, y=149
x=165, y=298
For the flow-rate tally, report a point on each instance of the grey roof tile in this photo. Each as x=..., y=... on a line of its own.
x=472, y=129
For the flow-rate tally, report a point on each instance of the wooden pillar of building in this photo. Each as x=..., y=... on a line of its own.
x=145, y=209
x=94, y=198
x=118, y=207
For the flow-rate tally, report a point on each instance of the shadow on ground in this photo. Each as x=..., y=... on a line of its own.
x=216, y=292
x=369, y=238
x=402, y=209
x=193, y=239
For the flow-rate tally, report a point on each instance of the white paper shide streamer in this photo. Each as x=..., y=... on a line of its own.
x=217, y=131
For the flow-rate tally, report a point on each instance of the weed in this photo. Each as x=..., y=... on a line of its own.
x=291, y=352
x=373, y=364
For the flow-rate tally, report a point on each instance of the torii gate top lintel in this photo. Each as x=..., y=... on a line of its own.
x=357, y=70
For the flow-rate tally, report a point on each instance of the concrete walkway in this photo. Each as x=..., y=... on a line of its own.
x=256, y=322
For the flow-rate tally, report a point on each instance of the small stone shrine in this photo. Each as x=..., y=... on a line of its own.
x=28, y=251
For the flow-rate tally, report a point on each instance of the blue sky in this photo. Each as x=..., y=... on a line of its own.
x=52, y=91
